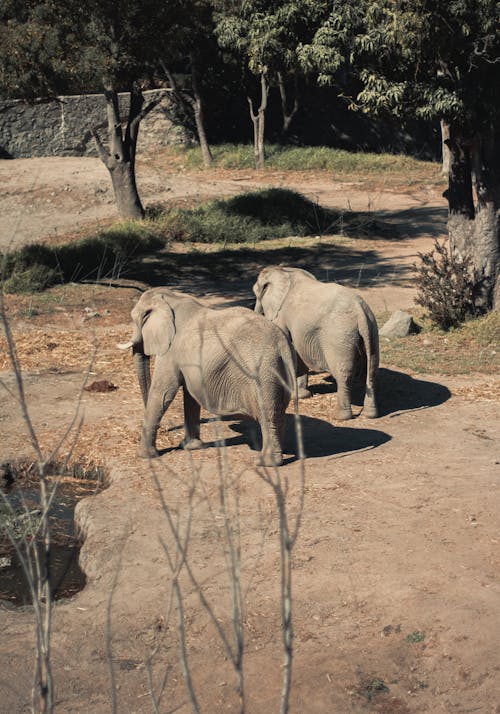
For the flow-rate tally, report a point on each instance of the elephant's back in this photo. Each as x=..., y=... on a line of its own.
x=239, y=354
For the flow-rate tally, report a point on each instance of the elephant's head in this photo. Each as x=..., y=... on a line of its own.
x=270, y=291
x=154, y=325
x=154, y=331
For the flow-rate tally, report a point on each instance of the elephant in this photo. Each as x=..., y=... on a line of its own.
x=230, y=361
x=331, y=327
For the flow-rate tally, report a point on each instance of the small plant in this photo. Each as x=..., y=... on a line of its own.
x=445, y=286
x=415, y=637
x=373, y=687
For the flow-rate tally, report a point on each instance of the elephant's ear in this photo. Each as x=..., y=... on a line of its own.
x=273, y=293
x=158, y=328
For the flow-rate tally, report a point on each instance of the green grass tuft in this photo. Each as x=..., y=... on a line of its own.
x=36, y=267
x=305, y=158
x=249, y=218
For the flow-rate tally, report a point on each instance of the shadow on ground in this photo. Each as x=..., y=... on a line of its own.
x=231, y=273
x=396, y=390
x=320, y=438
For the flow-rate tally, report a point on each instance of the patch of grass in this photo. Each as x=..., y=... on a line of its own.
x=307, y=158
x=471, y=347
x=36, y=267
x=248, y=218
x=415, y=637
x=373, y=687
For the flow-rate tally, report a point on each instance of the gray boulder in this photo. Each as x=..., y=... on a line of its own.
x=400, y=324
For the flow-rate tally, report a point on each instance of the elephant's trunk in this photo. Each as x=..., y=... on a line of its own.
x=258, y=307
x=143, y=372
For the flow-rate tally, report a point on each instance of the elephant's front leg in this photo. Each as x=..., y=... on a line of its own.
x=191, y=422
x=302, y=373
x=164, y=387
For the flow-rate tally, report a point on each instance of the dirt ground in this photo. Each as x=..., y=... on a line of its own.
x=396, y=566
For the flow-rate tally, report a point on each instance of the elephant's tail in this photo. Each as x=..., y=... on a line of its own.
x=368, y=329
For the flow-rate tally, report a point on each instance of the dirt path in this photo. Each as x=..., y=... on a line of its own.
x=395, y=572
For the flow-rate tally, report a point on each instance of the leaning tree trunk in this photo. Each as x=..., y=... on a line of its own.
x=474, y=228
x=288, y=114
x=258, y=120
x=192, y=103
x=119, y=157
x=198, y=114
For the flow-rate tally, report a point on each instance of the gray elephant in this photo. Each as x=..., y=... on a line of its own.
x=330, y=326
x=230, y=361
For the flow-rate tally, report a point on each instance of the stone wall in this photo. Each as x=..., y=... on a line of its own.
x=62, y=127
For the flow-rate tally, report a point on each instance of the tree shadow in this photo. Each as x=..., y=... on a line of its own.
x=231, y=273
x=396, y=392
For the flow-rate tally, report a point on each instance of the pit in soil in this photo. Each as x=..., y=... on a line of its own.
x=20, y=517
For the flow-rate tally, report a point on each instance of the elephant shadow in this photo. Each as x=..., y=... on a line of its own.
x=319, y=437
x=396, y=391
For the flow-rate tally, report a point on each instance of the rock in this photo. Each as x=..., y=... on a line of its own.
x=400, y=324
x=102, y=385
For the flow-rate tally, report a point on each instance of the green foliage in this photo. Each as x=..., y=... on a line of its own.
x=427, y=59
x=267, y=34
x=52, y=46
x=36, y=267
x=445, y=286
x=248, y=218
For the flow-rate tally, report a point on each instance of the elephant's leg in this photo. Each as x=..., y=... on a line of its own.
x=343, y=411
x=370, y=408
x=342, y=373
x=191, y=439
x=303, y=391
x=272, y=428
x=164, y=386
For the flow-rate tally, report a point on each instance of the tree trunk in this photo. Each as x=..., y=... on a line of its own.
x=119, y=157
x=474, y=229
x=198, y=115
x=287, y=115
x=445, y=135
x=194, y=103
x=258, y=120
x=125, y=189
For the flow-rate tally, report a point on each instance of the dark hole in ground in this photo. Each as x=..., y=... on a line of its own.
x=20, y=515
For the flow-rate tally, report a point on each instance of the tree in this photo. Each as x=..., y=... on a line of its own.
x=193, y=45
x=438, y=61
x=266, y=36
x=56, y=45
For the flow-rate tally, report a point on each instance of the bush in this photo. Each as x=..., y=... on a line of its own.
x=445, y=286
x=248, y=218
x=36, y=267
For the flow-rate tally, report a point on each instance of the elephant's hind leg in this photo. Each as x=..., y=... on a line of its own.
x=343, y=376
x=272, y=428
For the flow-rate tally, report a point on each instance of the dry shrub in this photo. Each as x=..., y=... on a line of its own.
x=445, y=286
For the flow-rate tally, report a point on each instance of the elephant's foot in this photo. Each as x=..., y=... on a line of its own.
x=192, y=444
x=304, y=393
x=148, y=452
x=342, y=414
x=370, y=412
x=273, y=458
